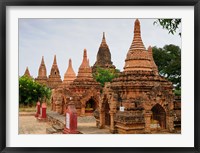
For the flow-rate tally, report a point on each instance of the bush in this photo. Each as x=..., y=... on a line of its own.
x=30, y=91
x=105, y=75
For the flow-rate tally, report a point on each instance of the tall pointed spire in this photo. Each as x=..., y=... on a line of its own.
x=27, y=73
x=103, y=43
x=85, y=60
x=70, y=75
x=137, y=43
x=70, y=64
x=137, y=57
x=42, y=73
x=54, y=60
x=42, y=62
x=85, y=71
x=42, y=69
x=103, y=56
x=54, y=78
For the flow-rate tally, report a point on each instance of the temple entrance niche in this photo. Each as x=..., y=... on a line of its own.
x=158, y=117
x=90, y=106
x=107, y=114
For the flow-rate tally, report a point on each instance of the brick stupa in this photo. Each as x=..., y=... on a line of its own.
x=137, y=57
x=84, y=86
x=145, y=97
x=27, y=73
x=54, y=79
x=42, y=73
x=70, y=75
x=85, y=71
x=103, y=57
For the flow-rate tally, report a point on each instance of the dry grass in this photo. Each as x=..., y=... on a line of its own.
x=27, y=109
x=23, y=108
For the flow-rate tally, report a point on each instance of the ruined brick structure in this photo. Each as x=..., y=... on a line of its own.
x=103, y=57
x=27, y=73
x=146, y=97
x=138, y=101
x=70, y=75
x=54, y=78
x=60, y=96
x=42, y=73
x=86, y=89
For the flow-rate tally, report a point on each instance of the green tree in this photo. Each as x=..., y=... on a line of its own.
x=172, y=25
x=30, y=91
x=168, y=60
x=105, y=75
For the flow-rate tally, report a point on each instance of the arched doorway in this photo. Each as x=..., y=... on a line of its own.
x=159, y=115
x=107, y=114
x=90, y=106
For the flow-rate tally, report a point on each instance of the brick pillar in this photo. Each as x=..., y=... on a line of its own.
x=102, y=118
x=82, y=110
x=163, y=121
x=147, y=117
x=112, y=128
x=171, y=121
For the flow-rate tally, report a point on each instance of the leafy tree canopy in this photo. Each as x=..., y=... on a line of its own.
x=172, y=25
x=30, y=91
x=105, y=75
x=168, y=60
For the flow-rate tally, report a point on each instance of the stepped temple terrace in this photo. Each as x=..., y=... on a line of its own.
x=137, y=101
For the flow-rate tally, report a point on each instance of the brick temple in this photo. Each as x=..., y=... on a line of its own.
x=103, y=57
x=83, y=89
x=27, y=73
x=42, y=73
x=138, y=101
x=69, y=76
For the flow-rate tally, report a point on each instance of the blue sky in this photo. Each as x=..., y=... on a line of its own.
x=67, y=38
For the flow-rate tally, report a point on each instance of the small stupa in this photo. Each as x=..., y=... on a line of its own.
x=85, y=71
x=27, y=73
x=70, y=75
x=42, y=73
x=84, y=86
x=103, y=56
x=54, y=78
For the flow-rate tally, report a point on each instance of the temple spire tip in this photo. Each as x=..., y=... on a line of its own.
x=103, y=43
x=103, y=35
x=70, y=62
x=85, y=53
x=54, y=61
